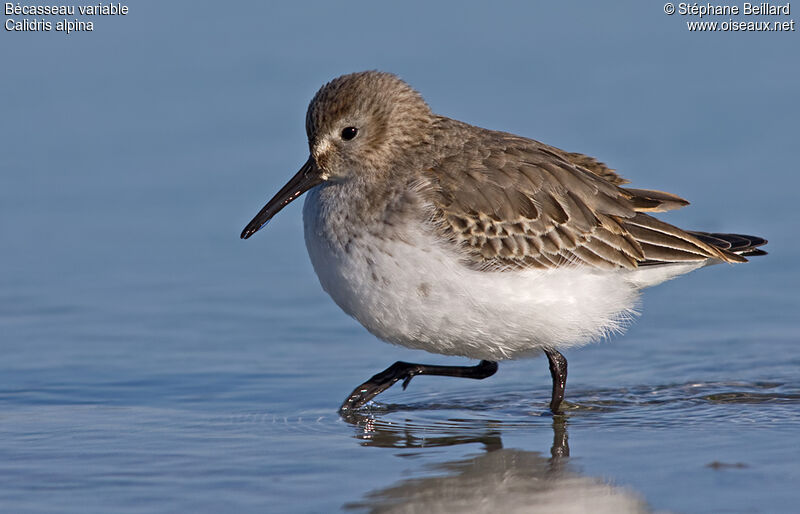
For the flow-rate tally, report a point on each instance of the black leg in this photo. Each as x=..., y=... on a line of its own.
x=560, y=446
x=405, y=371
x=558, y=370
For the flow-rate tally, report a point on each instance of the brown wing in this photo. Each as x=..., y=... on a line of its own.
x=643, y=199
x=510, y=203
x=593, y=165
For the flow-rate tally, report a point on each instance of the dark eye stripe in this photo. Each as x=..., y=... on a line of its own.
x=349, y=133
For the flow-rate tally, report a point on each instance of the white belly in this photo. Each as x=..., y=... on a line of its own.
x=408, y=289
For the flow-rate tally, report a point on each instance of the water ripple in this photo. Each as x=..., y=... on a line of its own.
x=689, y=405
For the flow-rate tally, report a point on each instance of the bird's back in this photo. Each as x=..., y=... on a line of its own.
x=509, y=202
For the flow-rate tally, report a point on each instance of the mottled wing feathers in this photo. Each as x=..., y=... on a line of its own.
x=646, y=200
x=642, y=199
x=511, y=203
x=593, y=165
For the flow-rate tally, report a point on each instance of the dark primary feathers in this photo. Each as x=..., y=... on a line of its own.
x=511, y=202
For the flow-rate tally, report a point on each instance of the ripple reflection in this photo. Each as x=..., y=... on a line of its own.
x=497, y=480
x=685, y=405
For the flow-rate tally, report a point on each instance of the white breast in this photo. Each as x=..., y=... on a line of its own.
x=407, y=288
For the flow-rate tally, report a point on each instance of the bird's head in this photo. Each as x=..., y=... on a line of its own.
x=360, y=126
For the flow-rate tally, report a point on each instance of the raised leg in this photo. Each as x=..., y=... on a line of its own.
x=558, y=370
x=405, y=371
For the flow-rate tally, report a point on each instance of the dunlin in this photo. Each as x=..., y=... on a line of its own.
x=442, y=236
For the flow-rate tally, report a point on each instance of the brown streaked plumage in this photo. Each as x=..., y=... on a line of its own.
x=443, y=236
x=506, y=201
x=510, y=202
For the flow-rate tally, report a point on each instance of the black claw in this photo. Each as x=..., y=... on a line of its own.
x=405, y=371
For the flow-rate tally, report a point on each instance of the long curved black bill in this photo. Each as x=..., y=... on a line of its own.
x=308, y=177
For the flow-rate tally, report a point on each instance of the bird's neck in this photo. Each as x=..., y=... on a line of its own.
x=350, y=207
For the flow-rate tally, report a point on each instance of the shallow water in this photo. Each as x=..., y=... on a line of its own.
x=154, y=362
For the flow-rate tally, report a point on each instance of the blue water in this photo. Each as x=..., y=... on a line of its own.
x=152, y=361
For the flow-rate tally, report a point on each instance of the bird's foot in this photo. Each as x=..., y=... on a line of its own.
x=405, y=371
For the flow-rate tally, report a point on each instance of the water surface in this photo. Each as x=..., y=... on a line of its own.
x=152, y=361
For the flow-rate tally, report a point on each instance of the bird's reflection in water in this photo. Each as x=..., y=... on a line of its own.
x=498, y=480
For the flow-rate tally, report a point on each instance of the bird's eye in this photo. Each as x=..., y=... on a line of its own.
x=349, y=133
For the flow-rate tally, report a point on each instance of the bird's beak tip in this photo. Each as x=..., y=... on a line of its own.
x=308, y=177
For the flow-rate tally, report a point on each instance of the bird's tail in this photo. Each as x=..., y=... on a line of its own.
x=739, y=244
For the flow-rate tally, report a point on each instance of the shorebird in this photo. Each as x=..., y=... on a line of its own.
x=451, y=238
